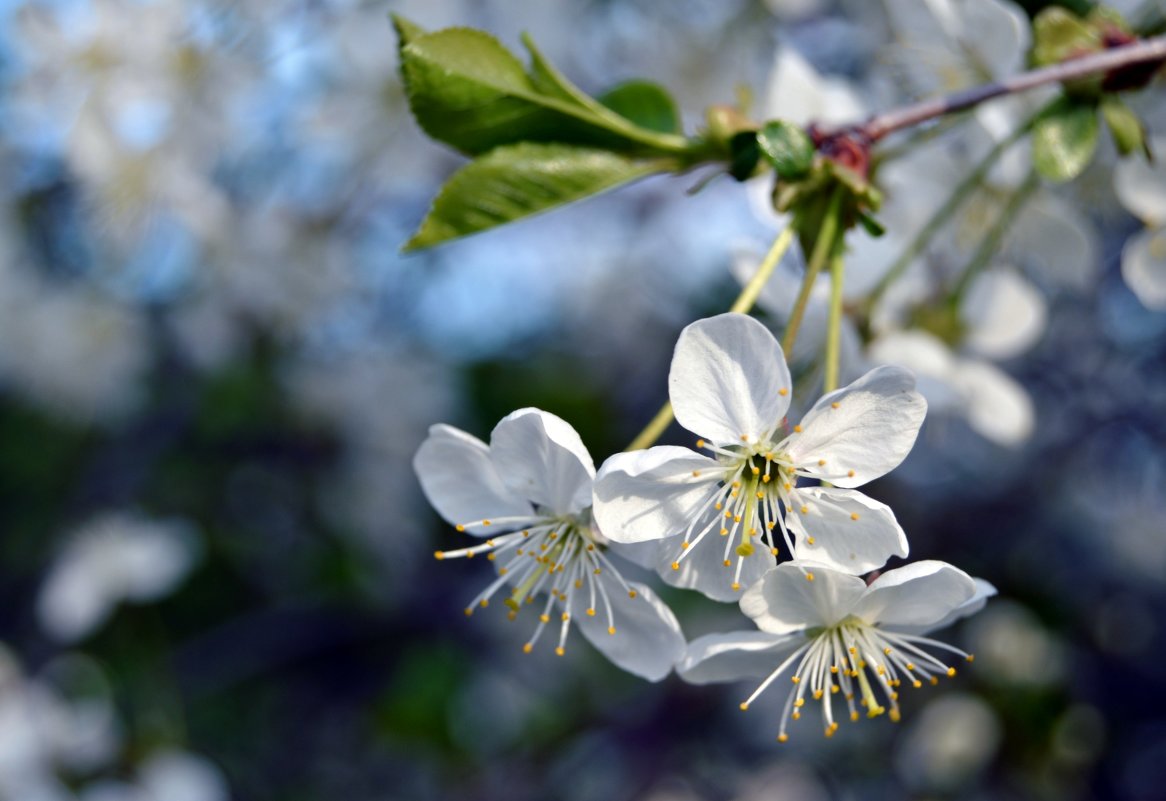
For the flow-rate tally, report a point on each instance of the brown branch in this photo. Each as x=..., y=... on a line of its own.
x=1141, y=52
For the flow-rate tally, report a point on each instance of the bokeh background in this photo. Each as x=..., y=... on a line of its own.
x=216, y=572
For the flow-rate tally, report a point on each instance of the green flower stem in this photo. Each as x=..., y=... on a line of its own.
x=822, y=248
x=834, y=332
x=741, y=305
x=991, y=242
x=945, y=212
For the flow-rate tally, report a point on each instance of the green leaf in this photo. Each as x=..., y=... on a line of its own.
x=646, y=104
x=1059, y=34
x=744, y=155
x=787, y=147
x=469, y=91
x=515, y=181
x=1127, y=130
x=1064, y=140
x=406, y=30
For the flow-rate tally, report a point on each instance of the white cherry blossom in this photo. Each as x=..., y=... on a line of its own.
x=1141, y=188
x=729, y=383
x=838, y=636
x=533, y=483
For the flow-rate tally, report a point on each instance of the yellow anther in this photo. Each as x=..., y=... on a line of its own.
x=934, y=681
x=854, y=717
x=800, y=702
x=743, y=706
x=469, y=555
x=719, y=506
x=734, y=493
x=810, y=540
x=502, y=571
x=598, y=570
x=736, y=485
x=736, y=518
x=526, y=533
x=631, y=593
x=469, y=611
x=834, y=669
x=684, y=546
x=544, y=618
x=950, y=672
x=894, y=715
x=796, y=679
x=512, y=615
x=783, y=392
x=787, y=486
x=809, y=577
x=735, y=586
x=485, y=522
x=611, y=630
x=460, y=527
x=590, y=613
x=797, y=429
x=439, y=555
x=817, y=695
x=854, y=515
x=675, y=565
x=875, y=711
x=526, y=649
x=894, y=696
x=834, y=688
x=490, y=557
x=484, y=603
x=560, y=651
x=724, y=532
x=804, y=510
x=971, y=657
x=916, y=684
x=797, y=715
x=765, y=479
x=834, y=405
x=850, y=473
x=756, y=470
x=565, y=617
x=700, y=443
x=728, y=563
x=760, y=495
x=853, y=650
x=910, y=666
x=833, y=727
x=591, y=546
x=773, y=551
x=821, y=462
x=696, y=474
x=578, y=583
x=770, y=525
x=783, y=737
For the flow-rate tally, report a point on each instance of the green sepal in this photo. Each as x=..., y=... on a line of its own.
x=787, y=148
x=871, y=225
x=1064, y=139
x=515, y=181
x=744, y=155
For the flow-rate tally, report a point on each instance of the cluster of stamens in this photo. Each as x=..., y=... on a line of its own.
x=861, y=662
x=557, y=555
x=756, y=495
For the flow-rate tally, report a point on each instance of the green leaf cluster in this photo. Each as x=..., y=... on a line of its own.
x=538, y=141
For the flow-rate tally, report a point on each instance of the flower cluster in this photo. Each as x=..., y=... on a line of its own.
x=715, y=522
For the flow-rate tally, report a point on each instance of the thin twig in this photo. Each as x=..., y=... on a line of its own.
x=1142, y=52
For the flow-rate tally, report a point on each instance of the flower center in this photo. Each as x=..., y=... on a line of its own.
x=861, y=662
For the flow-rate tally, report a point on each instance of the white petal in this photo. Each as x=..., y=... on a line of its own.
x=1141, y=186
x=460, y=481
x=181, y=776
x=797, y=93
x=647, y=639
x=727, y=376
x=984, y=591
x=1143, y=266
x=997, y=407
x=1053, y=237
x=998, y=32
x=74, y=600
x=785, y=601
x=735, y=655
x=918, y=594
x=851, y=532
x=652, y=494
x=1005, y=314
x=703, y=567
x=540, y=457
x=867, y=427
x=153, y=559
